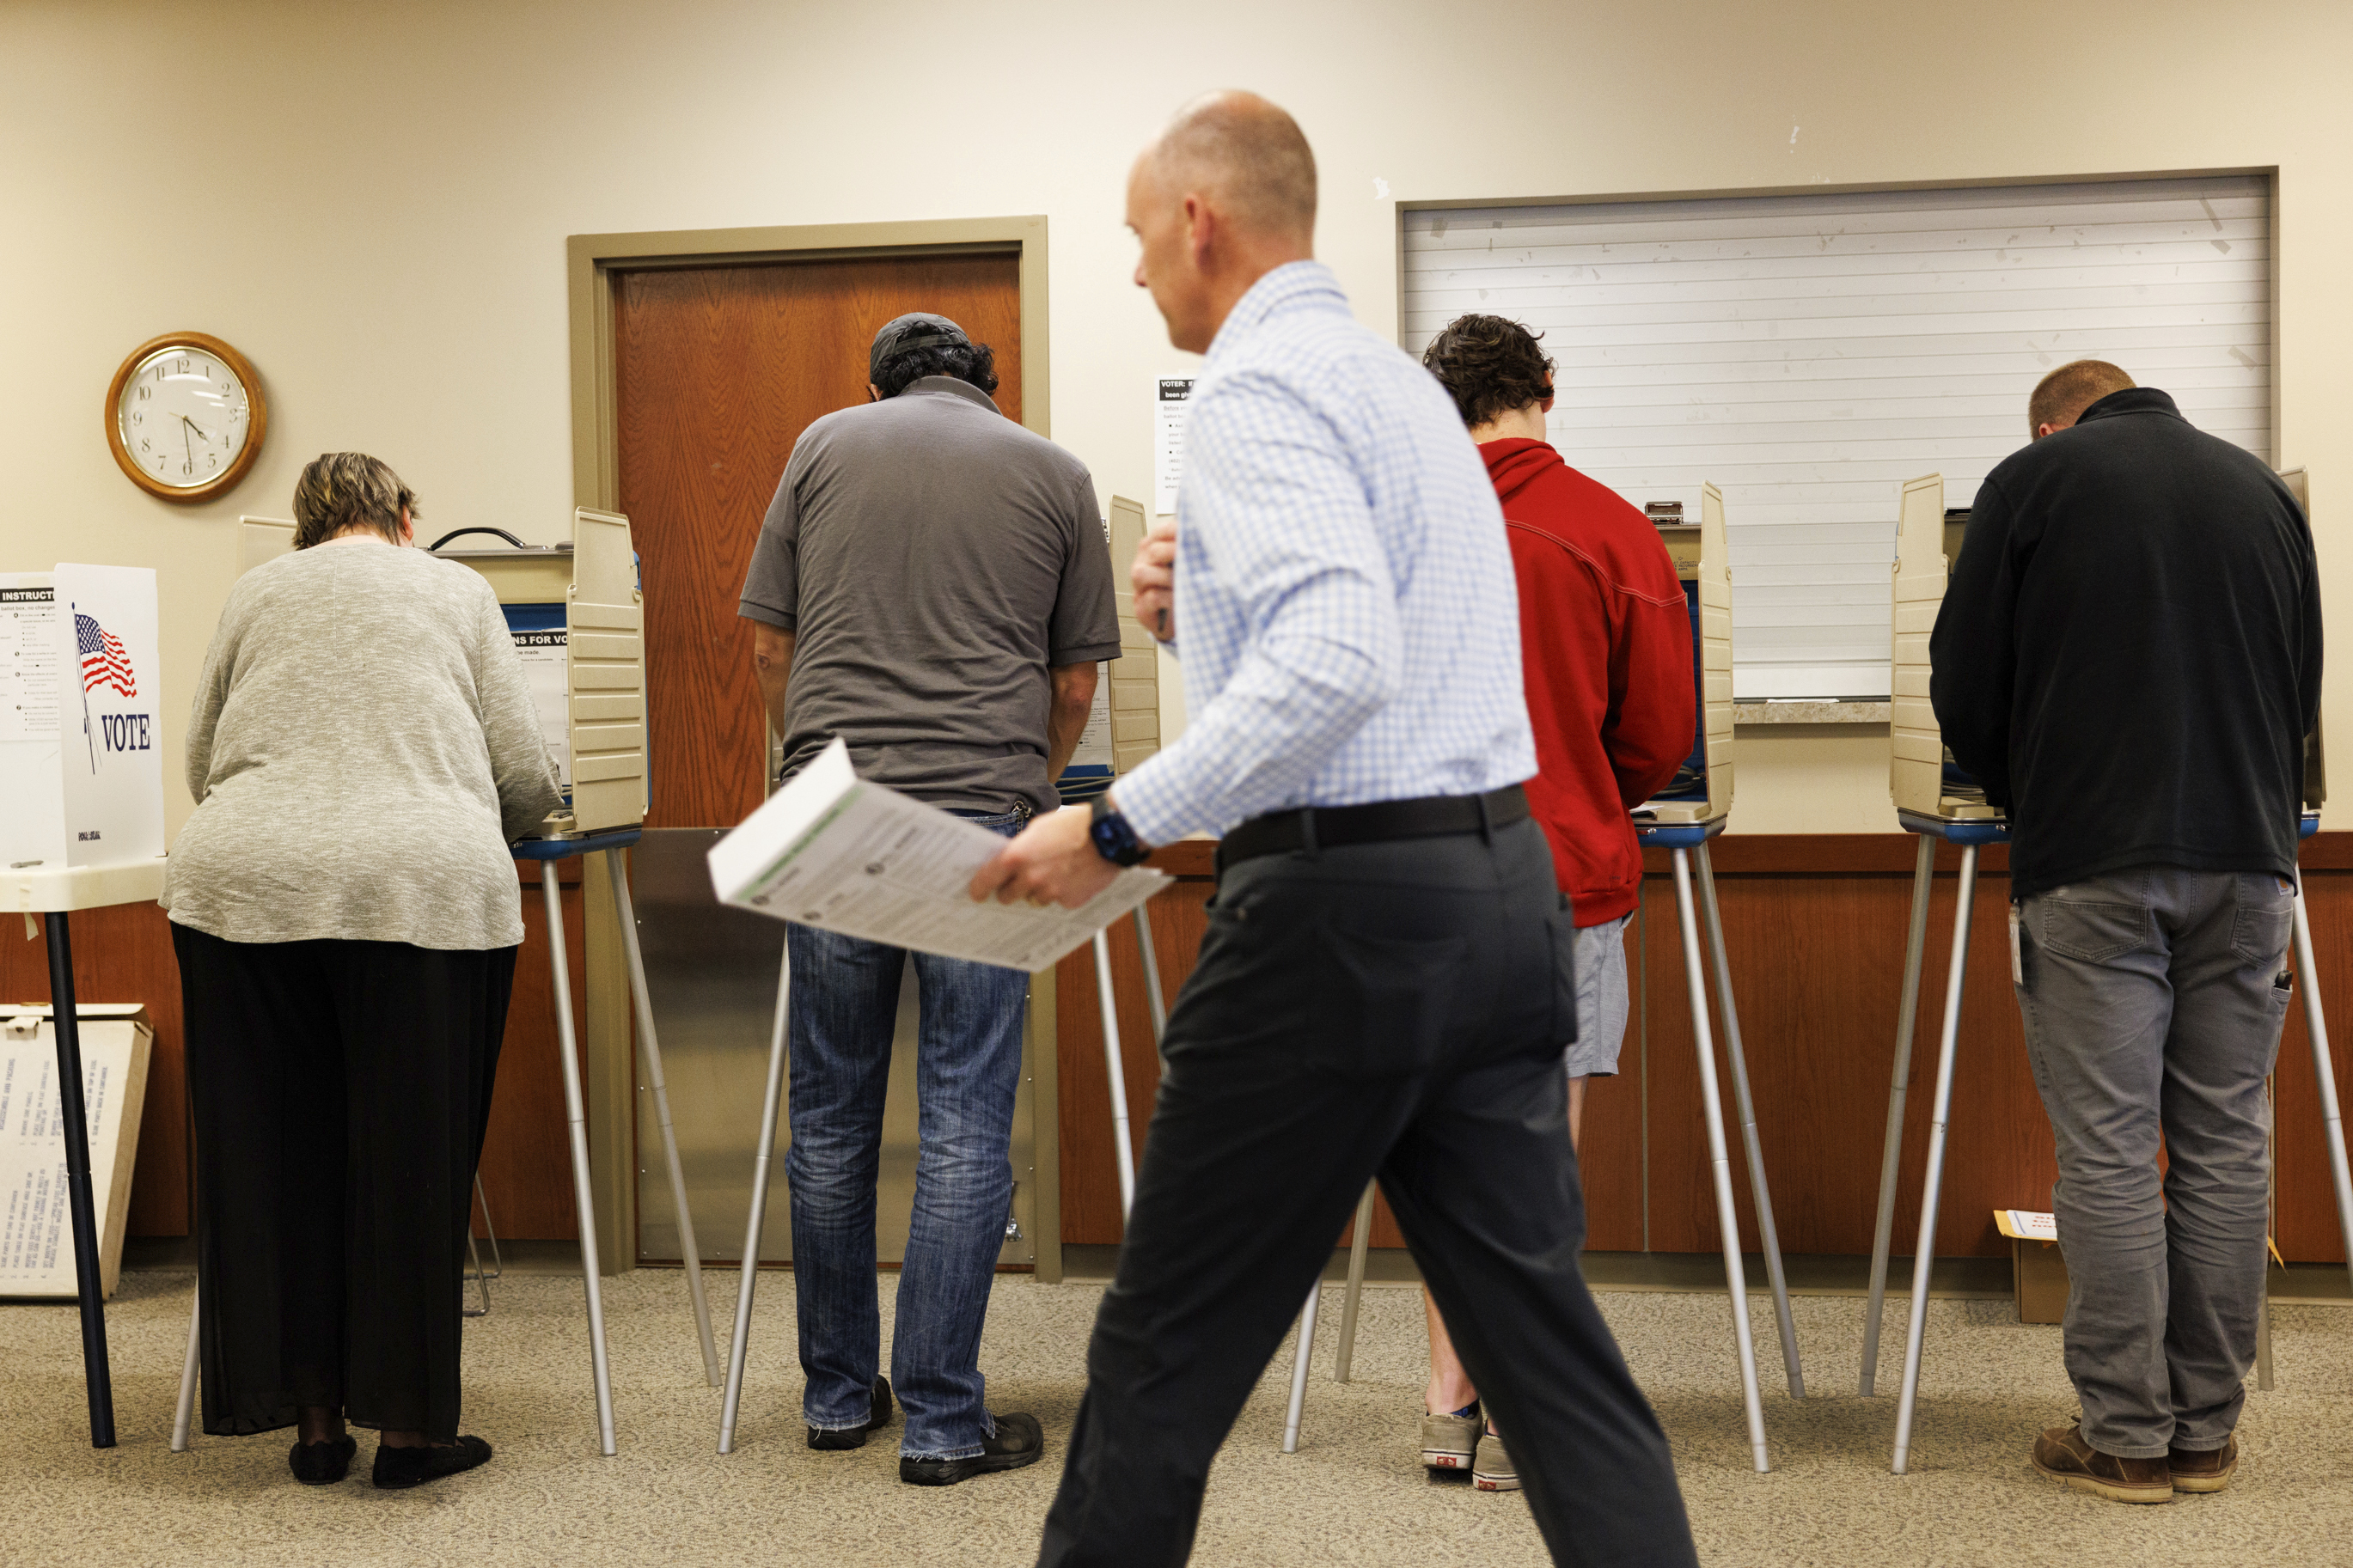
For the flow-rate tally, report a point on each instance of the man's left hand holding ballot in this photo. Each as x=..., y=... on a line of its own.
x=832, y=851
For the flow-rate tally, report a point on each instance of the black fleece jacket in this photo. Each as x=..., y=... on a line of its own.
x=2128, y=654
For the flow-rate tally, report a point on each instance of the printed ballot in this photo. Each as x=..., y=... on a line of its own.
x=835, y=851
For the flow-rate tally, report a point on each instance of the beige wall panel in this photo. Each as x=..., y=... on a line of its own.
x=380, y=224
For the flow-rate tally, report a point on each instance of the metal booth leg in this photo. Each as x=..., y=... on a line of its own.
x=582, y=1196
x=1924, y=879
x=479, y=1275
x=1152, y=994
x=1299, y=1366
x=1924, y=1248
x=650, y=1052
x=2324, y=1070
x=186, y=1412
x=749, y=1276
x=1115, y=1068
x=1790, y=1365
x=1735, y=1275
x=1358, y=1245
x=65, y=1025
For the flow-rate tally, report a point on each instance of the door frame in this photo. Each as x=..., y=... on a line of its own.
x=591, y=260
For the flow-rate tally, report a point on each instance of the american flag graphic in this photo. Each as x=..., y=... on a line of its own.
x=104, y=661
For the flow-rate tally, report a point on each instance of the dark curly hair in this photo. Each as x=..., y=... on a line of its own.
x=972, y=363
x=1489, y=365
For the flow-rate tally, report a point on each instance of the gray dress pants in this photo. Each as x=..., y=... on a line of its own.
x=2152, y=999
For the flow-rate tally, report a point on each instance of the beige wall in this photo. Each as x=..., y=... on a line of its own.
x=371, y=201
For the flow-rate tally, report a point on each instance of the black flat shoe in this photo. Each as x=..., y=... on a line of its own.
x=397, y=1469
x=855, y=1437
x=323, y=1464
x=1018, y=1440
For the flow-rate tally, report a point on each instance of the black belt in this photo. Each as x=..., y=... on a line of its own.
x=1328, y=826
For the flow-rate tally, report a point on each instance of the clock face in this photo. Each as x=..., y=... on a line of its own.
x=185, y=417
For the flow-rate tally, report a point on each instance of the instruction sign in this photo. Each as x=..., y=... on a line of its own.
x=1172, y=401
x=81, y=771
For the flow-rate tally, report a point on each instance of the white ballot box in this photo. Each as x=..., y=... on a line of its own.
x=576, y=614
x=833, y=851
x=1701, y=789
x=81, y=772
x=36, y=1248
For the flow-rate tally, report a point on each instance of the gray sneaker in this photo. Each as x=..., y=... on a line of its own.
x=1449, y=1441
x=1493, y=1472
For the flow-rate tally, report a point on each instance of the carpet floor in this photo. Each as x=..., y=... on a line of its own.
x=1355, y=1493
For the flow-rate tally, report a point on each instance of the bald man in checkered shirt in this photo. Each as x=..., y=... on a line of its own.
x=1377, y=993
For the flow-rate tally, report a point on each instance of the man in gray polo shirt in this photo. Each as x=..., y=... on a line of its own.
x=932, y=586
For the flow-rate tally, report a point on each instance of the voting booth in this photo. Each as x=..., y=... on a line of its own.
x=81, y=826
x=1701, y=790
x=1693, y=809
x=1936, y=800
x=576, y=612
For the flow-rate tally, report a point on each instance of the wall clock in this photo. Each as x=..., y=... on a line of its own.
x=185, y=416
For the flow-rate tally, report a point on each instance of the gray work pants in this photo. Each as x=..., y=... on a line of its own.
x=2153, y=999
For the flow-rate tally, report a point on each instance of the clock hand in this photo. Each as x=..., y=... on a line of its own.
x=202, y=433
x=184, y=439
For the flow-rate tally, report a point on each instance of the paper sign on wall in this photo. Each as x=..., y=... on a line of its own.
x=81, y=777
x=1172, y=401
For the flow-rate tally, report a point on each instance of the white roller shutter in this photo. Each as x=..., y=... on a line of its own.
x=1809, y=353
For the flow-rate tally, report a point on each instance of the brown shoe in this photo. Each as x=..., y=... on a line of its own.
x=2203, y=1469
x=2061, y=1454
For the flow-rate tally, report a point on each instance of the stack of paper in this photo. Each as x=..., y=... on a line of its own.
x=832, y=850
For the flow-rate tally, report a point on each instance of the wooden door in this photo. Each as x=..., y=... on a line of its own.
x=719, y=371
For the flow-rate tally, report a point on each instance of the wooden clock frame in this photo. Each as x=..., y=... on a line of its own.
x=257, y=418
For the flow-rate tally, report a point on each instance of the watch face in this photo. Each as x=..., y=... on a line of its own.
x=183, y=417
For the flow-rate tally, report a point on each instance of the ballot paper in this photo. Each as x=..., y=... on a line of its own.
x=835, y=851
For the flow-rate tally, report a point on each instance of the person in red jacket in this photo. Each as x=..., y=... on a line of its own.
x=1606, y=661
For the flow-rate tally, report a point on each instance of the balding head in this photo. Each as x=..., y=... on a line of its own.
x=1221, y=197
x=2060, y=398
x=1247, y=157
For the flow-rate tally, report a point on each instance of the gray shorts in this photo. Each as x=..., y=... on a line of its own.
x=1599, y=955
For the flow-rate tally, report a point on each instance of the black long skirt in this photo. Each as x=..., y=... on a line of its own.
x=339, y=1090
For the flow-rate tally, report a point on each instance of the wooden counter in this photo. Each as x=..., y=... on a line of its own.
x=1814, y=925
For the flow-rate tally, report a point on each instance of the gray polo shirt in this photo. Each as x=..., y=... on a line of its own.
x=933, y=559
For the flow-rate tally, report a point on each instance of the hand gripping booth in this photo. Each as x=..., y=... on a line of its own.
x=575, y=611
x=1936, y=799
x=1693, y=810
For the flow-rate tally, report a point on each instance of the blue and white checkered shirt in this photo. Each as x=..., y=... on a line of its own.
x=1345, y=594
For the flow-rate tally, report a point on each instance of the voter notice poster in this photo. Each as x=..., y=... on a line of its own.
x=110, y=671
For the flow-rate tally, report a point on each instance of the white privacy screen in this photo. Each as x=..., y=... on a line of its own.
x=1809, y=353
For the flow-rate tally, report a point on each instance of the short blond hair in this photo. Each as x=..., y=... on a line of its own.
x=2059, y=398
x=349, y=490
x=1249, y=154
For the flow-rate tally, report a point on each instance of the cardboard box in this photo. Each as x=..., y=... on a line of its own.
x=36, y=1248
x=2038, y=1268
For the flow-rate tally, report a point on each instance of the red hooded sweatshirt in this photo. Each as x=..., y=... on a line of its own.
x=1606, y=657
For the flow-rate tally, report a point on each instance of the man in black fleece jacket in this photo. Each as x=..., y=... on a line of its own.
x=2129, y=659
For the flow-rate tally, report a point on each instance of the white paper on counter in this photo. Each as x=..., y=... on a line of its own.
x=835, y=851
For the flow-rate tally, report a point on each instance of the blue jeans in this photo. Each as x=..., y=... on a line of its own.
x=844, y=1004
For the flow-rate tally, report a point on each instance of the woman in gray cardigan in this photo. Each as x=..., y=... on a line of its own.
x=362, y=750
